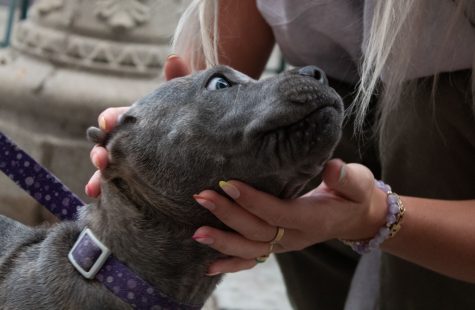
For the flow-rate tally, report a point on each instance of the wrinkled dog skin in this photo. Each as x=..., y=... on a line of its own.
x=275, y=134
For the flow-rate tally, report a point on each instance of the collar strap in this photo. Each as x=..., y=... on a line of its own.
x=88, y=255
x=94, y=261
x=38, y=182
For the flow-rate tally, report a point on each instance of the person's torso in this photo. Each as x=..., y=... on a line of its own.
x=330, y=34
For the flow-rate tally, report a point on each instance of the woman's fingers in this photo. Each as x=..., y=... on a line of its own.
x=272, y=210
x=99, y=157
x=93, y=187
x=108, y=119
x=236, y=217
x=230, y=243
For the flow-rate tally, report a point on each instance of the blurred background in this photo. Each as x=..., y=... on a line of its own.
x=62, y=62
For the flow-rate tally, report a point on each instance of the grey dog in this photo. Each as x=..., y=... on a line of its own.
x=218, y=124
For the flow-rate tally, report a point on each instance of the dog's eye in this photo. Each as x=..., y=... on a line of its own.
x=217, y=82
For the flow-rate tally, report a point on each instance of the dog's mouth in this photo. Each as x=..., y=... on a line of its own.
x=314, y=133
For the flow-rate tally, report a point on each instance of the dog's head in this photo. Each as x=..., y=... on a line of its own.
x=274, y=134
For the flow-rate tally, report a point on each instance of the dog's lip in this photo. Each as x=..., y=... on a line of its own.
x=308, y=115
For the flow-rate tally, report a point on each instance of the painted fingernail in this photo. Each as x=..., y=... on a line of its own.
x=342, y=173
x=102, y=123
x=171, y=56
x=211, y=274
x=229, y=189
x=203, y=239
x=208, y=204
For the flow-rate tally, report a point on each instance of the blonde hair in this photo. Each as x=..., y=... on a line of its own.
x=389, y=18
x=388, y=48
x=196, y=35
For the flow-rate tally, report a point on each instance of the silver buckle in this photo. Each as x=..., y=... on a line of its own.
x=105, y=252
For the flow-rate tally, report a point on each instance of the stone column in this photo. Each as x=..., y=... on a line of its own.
x=70, y=60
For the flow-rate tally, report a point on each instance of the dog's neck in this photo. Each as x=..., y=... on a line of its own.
x=160, y=250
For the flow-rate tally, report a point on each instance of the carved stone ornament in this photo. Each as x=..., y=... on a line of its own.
x=68, y=62
x=46, y=6
x=122, y=14
x=81, y=51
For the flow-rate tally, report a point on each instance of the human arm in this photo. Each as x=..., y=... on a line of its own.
x=439, y=235
x=245, y=39
x=436, y=234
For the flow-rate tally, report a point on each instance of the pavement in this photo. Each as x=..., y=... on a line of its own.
x=260, y=288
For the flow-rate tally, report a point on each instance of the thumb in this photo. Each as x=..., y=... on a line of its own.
x=352, y=181
x=175, y=67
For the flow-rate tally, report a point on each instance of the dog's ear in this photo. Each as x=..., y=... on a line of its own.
x=99, y=136
x=96, y=135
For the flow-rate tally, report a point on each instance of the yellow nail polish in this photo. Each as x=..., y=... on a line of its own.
x=102, y=123
x=229, y=189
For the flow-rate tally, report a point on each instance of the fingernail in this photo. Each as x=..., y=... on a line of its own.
x=95, y=161
x=229, y=189
x=342, y=173
x=171, y=56
x=86, y=189
x=102, y=123
x=208, y=204
x=203, y=239
x=213, y=273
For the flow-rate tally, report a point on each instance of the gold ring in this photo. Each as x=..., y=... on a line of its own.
x=261, y=259
x=271, y=247
x=278, y=235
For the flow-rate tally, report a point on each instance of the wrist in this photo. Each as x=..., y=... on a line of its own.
x=370, y=218
x=394, y=212
x=377, y=212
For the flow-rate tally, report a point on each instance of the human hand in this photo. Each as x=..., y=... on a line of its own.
x=174, y=67
x=346, y=205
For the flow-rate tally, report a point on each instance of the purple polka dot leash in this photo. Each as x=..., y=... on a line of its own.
x=43, y=186
x=89, y=255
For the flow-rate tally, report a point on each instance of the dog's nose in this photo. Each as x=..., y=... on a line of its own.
x=314, y=72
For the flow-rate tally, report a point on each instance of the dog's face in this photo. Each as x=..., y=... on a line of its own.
x=190, y=133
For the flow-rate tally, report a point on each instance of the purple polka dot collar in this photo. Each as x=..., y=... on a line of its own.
x=88, y=255
x=94, y=261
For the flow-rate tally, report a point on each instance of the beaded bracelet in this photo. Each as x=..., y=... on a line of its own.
x=393, y=223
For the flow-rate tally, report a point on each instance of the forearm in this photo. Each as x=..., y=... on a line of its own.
x=245, y=39
x=439, y=235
